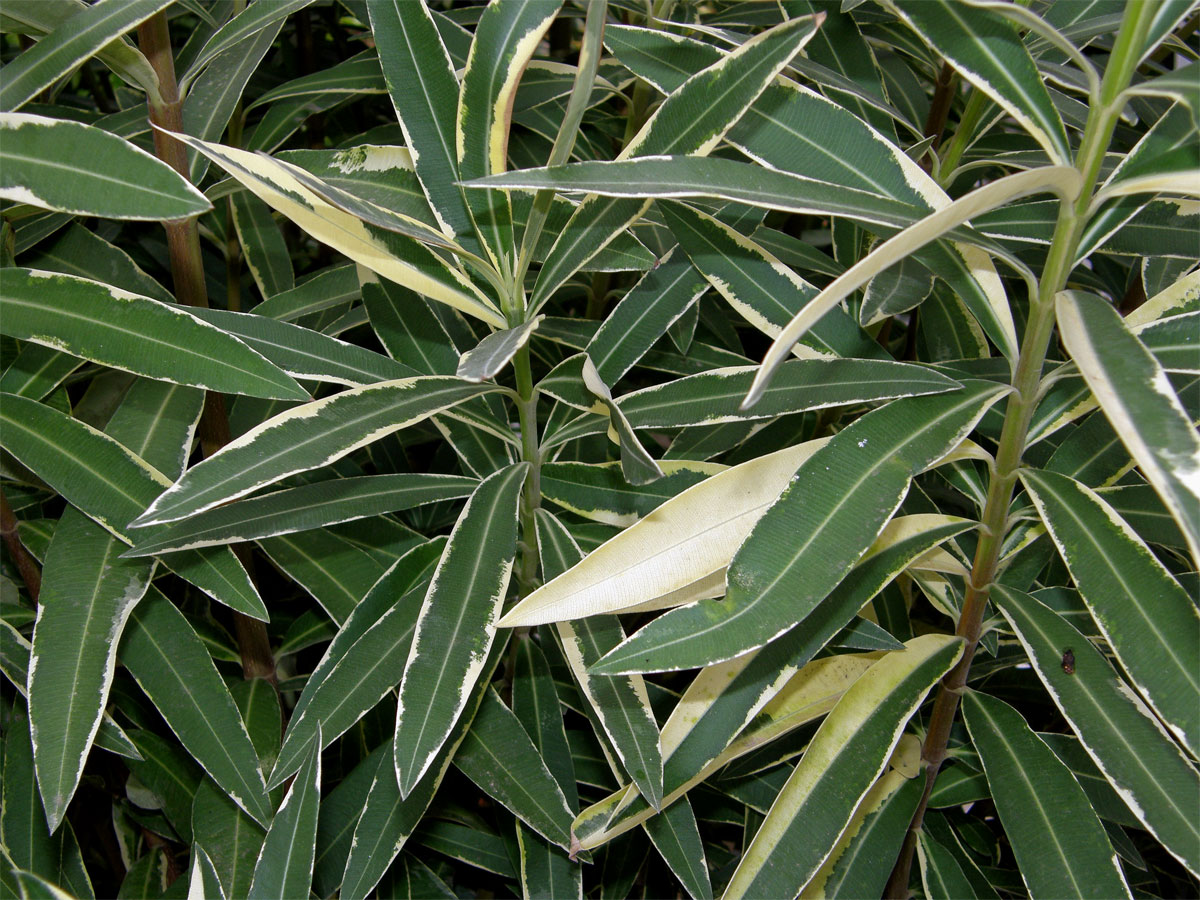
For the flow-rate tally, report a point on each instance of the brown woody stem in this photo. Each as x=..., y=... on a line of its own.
x=187, y=269
x=31, y=574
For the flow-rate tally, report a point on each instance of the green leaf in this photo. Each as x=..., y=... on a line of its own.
x=941, y=874
x=505, y=39
x=714, y=397
x=687, y=539
x=121, y=181
x=263, y=246
x=676, y=836
x=203, y=881
x=249, y=21
x=658, y=299
x=1059, y=843
x=170, y=663
x=1061, y=180
x=1148, y=620
x=395, y=256
x=495, y=351
x=87, y=594
x=846, y=755
x=15, y=652
x=212, y=100
x=692, y=120
x=285, y=863
x=136, y=334
x=356, y=672
x=306, y=437
x=424, y=90
x=106, y=481
x=763, y=291
x=302, y=508
x=989, y=53
x=1149, y=771
x=547, y=873
x=862, y=859
x=637, y=466
x=499, y=757
x=827, y=517
x=457, y=623
x=665, y=177
x=23, y=828
x=69, y=44
x=620, y=703
x=230, y=837
x=597, y=491
x=78, y=251
x=388, y=819
x=1138, y=400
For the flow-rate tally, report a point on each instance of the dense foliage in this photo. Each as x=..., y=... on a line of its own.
x=547, y=449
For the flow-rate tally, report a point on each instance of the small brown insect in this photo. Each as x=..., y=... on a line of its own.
x=1068, y=661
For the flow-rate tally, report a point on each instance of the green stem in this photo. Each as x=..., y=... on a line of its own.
x=527, y=573
x=1060, y=261
x=977, y=102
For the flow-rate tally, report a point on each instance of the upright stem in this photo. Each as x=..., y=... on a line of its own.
x=1072, y=217
x=527, y=574
x=187, y=269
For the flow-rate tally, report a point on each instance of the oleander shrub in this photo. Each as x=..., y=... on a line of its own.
x=643, y=448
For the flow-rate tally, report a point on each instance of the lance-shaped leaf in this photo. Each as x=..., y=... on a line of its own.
x=676, y=837
x=457, y=623
x=397, y=257
x=620, y=702
x=69, y=44
x=388, y=819
x=714, y=397
x=1061, y=180
x=306, y=437
x=499, y=757
x=861, y=860
x=665, y=177
x=845, y=757
x=15, y=652
x=424, y=90
x=637, y=466
x=1148, y=619
x=28, y=843
x=493, y=353
x=351, y=679
x=764, y=291
x=285, y=862
x=263, y=248
x=203, y=881
x=644, y=314
x=794, y=129
x=686, y=539
x=302, y=508
x=827, y=517
x=87, y=595
x=112, y=327
x=1134, y=752
x=1132, y=389
x=106, y=481
x=989, y=53
x=597, y=491
x=941, y=874
x=120, y=181
x=505, y=39
x=692, y=120
x=248, y=22
x=1058, y=840
x=729, y=710
x=170, y=663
